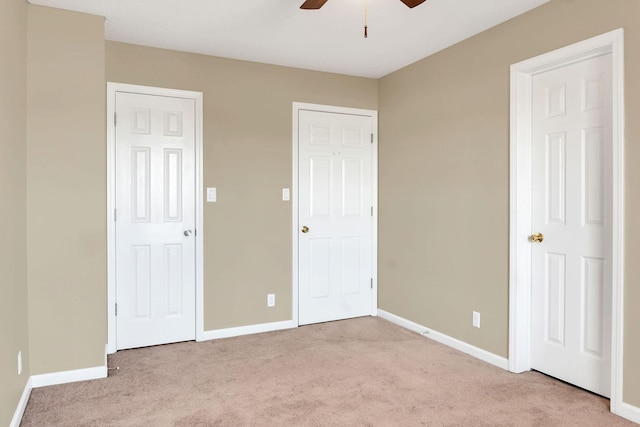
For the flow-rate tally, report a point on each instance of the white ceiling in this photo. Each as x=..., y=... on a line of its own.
x=278, y=32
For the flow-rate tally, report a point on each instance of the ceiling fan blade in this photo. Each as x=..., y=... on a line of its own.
x=412, y=3
x=314, y=4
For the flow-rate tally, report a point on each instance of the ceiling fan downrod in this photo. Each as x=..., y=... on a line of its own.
x=365, y=19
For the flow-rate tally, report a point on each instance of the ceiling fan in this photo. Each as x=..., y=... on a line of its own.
x=317, y=4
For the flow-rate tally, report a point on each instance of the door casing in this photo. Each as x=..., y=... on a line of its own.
x=297, y=106
x=112, y=88
x=520, y=198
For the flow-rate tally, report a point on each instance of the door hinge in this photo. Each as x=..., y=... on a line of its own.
x=372, y=138
x=115, y=119
x=116, y=309
x=371, y=210
x=372, y=283
x=115, y=214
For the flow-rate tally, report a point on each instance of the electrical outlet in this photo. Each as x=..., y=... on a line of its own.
x=20, y=362
x=476, y=319
x=271, y=300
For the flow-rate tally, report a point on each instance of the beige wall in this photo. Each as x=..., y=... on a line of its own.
x=66, y=180
x=13, y=282
x=444, y=140
x=247, y=156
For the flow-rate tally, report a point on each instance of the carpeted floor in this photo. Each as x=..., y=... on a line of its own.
x=360, y=372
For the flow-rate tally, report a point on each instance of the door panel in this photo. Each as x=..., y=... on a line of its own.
x=155, y=204
x=572, y=208
x=556, y=173
x=321, y=188
x=335, y=199
x=555, y=286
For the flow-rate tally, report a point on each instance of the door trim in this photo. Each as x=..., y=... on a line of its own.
x=297, y=107
x=112, y=88
x=520, y=198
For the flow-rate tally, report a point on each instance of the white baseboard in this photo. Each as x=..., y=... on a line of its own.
x=54, y=378
x=630, y=412
x=247, y=330
x=462, y=346
x=64, y=377
x=22, y=405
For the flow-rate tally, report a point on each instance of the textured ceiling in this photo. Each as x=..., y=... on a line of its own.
x=278, y=32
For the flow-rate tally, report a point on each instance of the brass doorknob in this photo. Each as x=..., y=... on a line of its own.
x=536, y=238
x=305, y=229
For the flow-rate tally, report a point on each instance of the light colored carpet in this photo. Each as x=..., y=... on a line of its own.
x=359, y=372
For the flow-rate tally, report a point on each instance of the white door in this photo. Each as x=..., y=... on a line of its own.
x=572, y=209
x=155, y=220
x=335, y=216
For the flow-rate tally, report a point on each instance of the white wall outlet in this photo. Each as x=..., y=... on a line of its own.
x=20, y=362
x=211, y=194
x=271, y=300
x=476, y=319
x=286, y=195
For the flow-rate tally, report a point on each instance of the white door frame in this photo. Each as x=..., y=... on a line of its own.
x=112, y=88
x=520, y=198
x=297, y=106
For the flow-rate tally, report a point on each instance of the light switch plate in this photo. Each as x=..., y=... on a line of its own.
x=285, y=194
x=211, y=194
x=476, y=319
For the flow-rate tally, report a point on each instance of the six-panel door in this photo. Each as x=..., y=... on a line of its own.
x=335, y=204
x=571, y=207
x=155, y=220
